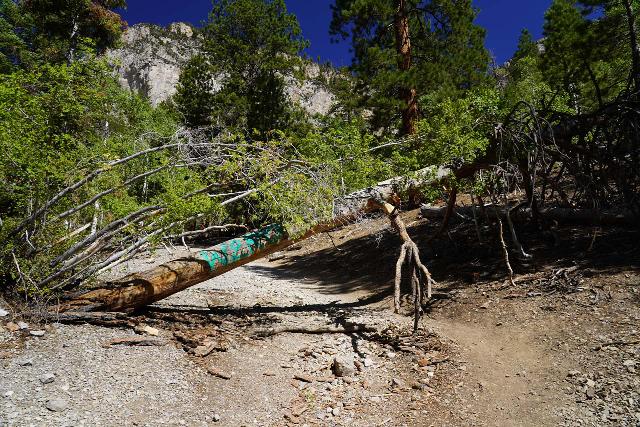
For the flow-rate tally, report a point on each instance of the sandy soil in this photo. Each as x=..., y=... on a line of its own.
x=552, y=350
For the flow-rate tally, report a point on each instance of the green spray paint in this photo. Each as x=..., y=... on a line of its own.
x=235, y=250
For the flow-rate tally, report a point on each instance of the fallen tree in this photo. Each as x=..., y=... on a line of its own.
x=140, y=289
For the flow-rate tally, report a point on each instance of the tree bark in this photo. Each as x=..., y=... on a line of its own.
x=140, y=289
x=635, y=49
x=403, y=48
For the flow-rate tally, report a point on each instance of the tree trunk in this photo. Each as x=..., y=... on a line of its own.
x=140, y=289
x=403, y=47
x=635, y=49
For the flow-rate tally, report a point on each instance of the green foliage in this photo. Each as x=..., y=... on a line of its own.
x=457, y=130
x=58, y=123
x=194, y=95
x=583, y=57
x=447, y=51
x=40, y=31
x=15, y=37
x=64, y=28
x=251, y=47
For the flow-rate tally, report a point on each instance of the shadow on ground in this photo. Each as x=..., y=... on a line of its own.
x=456, y=258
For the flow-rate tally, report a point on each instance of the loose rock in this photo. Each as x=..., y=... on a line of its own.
x=47, y=378
x=145, y=329
x=343, y=367
x=57, y=405
x=37, y=333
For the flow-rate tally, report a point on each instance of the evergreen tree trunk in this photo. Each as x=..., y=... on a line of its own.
x=635, y=49
x=403, y=47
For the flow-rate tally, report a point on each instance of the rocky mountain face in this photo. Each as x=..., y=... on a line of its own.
x=151, y=58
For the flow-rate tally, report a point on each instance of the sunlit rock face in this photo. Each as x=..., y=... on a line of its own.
x=151, y=58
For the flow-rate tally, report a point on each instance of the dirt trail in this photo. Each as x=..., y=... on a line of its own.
x=509, y=378
x=486, y=355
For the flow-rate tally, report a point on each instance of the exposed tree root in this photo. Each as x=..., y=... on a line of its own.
x=409, y=255
x=346, y=329
x=505, y=252
x=136, y=341
x=451, y=207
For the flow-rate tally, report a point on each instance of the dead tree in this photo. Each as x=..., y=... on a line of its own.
x=140, y=289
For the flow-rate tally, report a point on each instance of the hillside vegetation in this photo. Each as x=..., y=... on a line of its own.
x=95, y=173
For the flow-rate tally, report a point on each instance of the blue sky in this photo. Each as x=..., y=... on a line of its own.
x=503, y=20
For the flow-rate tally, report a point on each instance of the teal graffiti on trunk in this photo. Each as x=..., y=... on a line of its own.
x=235, y=250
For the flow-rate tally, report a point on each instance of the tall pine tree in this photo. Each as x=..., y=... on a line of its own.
x=405, y=49
x=251, y=46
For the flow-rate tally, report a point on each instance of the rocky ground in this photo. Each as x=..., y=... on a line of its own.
x=560, y=347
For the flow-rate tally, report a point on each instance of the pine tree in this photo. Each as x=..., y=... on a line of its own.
x=194, y=96
x=253, y=45
x=15, y=37
x=526, y=46
x=583, y=56
x=62, y=28
x=405, y=49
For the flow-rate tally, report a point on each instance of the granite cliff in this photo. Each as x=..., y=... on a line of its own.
x=151, y=58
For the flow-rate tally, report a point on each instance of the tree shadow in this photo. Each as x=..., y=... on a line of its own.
x=457, y=259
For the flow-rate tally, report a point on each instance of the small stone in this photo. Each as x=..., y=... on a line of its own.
x=390, y=355
x=629, y=362
x=304, y=378
x=146, y=329
x=37, y=333
x=218, y=373
x=368, y=362
x=27, y=362
x=57, y=405
x=276, y=256
x=591, y=392
x=424, y=362
x=573, y=373
x=47, y=378
x=7, y=393
x=485, y=305
x=591, y=383
x=3, y=313
x=336, y=411
x=216, y=418
x=397, y=382
x=12, y=327
x=23, y=325
x=343, y=367
x=204, y=350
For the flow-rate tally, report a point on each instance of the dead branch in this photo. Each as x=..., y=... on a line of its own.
x=206, y=230
x=505, y=251
x=451, y=206
x=136, y=341
x=514, y=236
x=346, y=329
